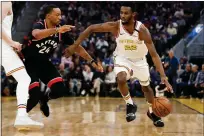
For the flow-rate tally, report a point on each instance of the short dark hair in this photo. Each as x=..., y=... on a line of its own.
x=47, y=9
x=132, y=5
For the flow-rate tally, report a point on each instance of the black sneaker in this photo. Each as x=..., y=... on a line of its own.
x=130, y=112
x=44, y=106
x=157, y=121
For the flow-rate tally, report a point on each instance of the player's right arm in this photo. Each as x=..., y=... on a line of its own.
x=7, y=9
x=41, y=33
x=111, y=27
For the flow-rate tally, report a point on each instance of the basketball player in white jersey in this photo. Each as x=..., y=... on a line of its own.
x=15, y=67
x=133, y=43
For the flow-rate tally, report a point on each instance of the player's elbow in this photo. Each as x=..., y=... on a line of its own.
x=90, y=29
x=36, y=34
x=154, y=55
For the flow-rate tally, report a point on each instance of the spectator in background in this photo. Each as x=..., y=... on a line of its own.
x=87, y=83
x=110, y=77
x=110, y=81
x=181, y=21
x=102, y=46
x=191, y=90
x=75, y=80
x=199, y=83
x=183, y=81
x=172, y=66
x=179, y=12
x=171, y=30
x=155, y=78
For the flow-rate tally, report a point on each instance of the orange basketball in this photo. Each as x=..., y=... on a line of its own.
x=161, y=107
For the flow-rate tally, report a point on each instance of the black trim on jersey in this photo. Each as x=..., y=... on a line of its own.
x=135, y=26
x=136, y=30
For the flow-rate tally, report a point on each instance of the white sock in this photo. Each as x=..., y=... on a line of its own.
x=22, y=110
x=150, y=107
x=128, y=99
x=23, y=80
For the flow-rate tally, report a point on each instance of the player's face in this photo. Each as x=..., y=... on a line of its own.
x=126, y=14
x=55, y=16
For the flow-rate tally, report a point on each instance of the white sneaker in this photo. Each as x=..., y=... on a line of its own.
x=26, y=123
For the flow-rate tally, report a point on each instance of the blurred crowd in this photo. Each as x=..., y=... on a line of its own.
x=167, y=22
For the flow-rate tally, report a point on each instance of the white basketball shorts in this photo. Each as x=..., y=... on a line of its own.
x=10, y=60
x=139, y=67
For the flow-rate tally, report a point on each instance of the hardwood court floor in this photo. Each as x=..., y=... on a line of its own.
x=93, y=116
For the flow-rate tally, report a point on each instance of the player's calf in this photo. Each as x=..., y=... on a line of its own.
x=131, y=108
x=35, y=95
x=57, y=90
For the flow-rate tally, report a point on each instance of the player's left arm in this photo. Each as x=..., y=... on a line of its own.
x=79, y=50
x=146, y=37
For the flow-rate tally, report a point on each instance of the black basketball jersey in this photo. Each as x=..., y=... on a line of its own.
x=46, y=46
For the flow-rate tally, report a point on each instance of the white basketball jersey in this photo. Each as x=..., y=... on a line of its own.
x=129, y=46
x=7, y=24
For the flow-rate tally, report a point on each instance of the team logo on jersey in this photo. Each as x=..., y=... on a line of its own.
x=130, y=47
x=45, y=48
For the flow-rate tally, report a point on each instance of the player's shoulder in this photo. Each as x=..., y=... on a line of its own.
x=40, y=22
x=141, y=27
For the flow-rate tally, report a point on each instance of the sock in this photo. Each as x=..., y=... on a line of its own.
x=128, y=99
x=22, y=109
x=150, y=107
x=23, y=80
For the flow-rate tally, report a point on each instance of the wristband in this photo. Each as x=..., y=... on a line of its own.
x=92, y=61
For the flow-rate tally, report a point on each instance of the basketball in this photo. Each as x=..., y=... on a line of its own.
x=161, y=107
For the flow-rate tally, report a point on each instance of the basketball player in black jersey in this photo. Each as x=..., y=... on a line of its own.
x=45, y=37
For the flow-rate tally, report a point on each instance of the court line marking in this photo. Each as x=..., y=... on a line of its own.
x=188, y=106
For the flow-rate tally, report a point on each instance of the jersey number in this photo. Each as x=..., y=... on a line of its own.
x=44, y=50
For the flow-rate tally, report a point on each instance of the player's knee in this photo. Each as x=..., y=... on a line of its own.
x=26, y=79
x=121, y=78
x=22, y=77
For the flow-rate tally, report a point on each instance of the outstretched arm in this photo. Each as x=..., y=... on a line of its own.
x=145, y=35
x=43, y=33
x=104, y=27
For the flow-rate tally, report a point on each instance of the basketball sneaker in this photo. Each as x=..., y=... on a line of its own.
x=44, y=106
x=130, y=112
x=23, y=122
x=157, y=121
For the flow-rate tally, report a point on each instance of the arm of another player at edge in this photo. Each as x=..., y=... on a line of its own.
x=6, y=8
x=145, y=35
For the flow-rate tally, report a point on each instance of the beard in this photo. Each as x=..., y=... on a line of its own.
x=126, y=22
